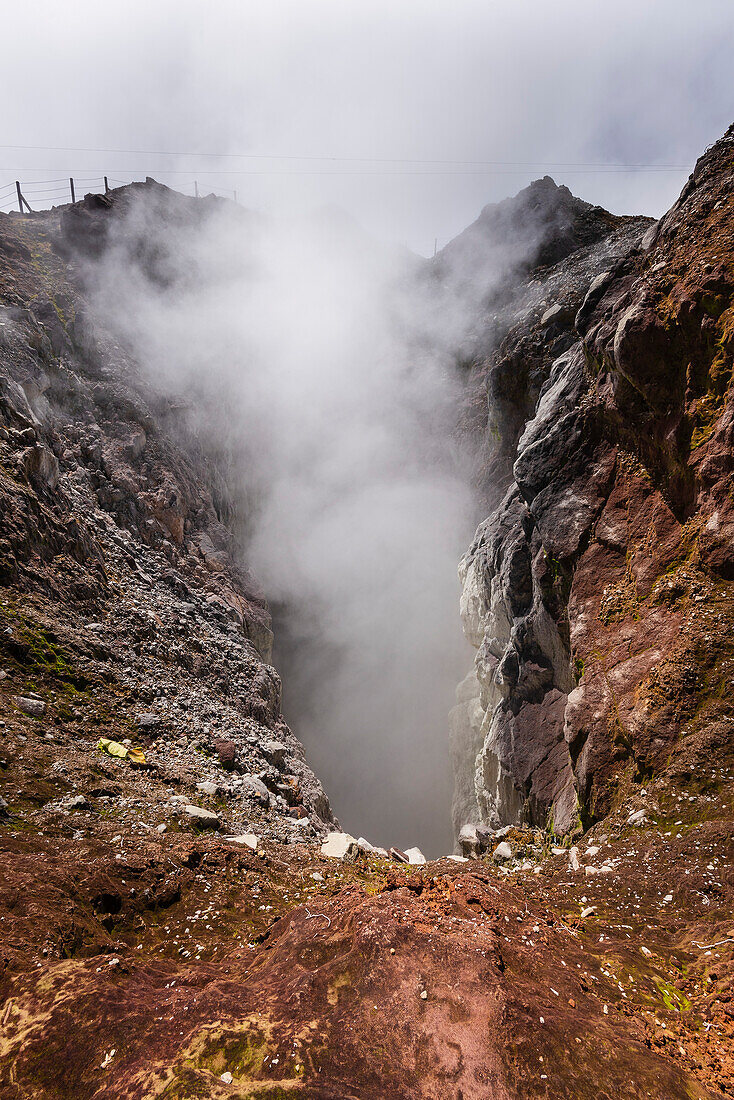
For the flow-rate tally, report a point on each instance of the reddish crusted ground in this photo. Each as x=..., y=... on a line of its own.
x=138, y=964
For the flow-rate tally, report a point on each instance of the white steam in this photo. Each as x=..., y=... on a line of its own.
x=322, y=361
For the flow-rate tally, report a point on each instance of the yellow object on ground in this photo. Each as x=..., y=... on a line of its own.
x=114, y=748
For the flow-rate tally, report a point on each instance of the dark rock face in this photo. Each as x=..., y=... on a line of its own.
x=598, y=591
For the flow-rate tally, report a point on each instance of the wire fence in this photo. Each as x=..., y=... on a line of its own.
x=44, y=194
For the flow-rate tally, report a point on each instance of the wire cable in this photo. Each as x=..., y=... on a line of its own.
x=607, y=170
x=351, y=160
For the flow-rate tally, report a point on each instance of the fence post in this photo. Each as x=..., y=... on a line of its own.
x=106, y=185
x=71, y=184
x=235, y=196
x=196, y=189
x=22, y=200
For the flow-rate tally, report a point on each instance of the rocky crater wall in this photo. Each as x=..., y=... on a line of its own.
x=598, y=592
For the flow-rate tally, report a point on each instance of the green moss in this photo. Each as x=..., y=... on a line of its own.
x=578, y=667
x=673, y=999
x=39, y=649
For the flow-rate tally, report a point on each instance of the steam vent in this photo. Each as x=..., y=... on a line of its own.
x=222, y=504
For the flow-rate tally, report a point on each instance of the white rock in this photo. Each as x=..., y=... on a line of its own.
x=337, y=845
x=591, y=852
x=415, y=855
x=637, y=818
x=573, y=858
x=502, y=852
x=202, y=818
x=226, y=1077
x=458, y=859
x=559, y=851
x=207, y=788
x=249, y=840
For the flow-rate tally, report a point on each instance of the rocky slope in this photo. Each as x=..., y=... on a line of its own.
x=124, y=612
x=598, y=592
x=150, y=951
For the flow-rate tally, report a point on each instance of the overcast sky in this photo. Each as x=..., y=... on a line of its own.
x=403, y=90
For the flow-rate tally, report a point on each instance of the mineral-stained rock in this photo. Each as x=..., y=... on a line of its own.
x=597, y=591
x=227, y=753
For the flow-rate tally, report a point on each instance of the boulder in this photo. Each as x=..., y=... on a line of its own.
x=469, y=840
x=254, y=786
x=398, y=855
x=41, y=467
x=275, y=753
x=227, y=753
x=337, y=845
x=207, y=787
x=34, y=707
x=502, y=852
x=415, y=855
x=201, y=818
x=248, y=840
